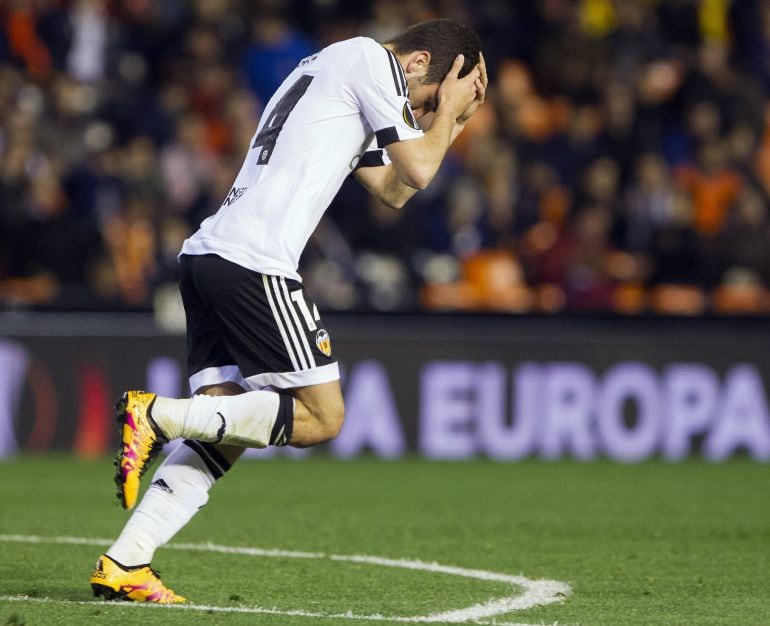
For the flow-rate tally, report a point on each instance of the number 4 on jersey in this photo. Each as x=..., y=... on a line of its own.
x=277, y=118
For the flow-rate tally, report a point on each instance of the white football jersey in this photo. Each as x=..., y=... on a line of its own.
x=338, y=109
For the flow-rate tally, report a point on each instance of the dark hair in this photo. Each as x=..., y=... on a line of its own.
x=444, y=39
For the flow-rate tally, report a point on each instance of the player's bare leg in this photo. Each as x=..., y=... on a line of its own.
x=224, y=414
x=319, y=412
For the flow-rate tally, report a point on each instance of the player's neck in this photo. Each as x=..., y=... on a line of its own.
x=391, y=47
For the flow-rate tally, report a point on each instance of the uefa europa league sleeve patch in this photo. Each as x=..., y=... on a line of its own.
x=409, y=117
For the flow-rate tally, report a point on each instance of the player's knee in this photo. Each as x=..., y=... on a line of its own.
x=330, y=421
x=319, y=414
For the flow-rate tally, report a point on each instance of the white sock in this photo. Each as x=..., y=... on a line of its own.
x=179, y=488
x=253, y=420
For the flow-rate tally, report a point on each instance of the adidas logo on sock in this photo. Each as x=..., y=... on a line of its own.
x=162, y=484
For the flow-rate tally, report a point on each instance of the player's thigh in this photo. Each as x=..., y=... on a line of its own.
x=269, y=326
x=208, y=361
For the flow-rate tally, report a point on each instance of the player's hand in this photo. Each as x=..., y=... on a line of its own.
x=458, y=94
x=481, y=92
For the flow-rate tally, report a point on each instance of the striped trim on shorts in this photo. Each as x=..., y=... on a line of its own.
x=250, y=328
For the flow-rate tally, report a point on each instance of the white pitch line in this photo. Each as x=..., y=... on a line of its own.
x=536, y=592
x=230, y=609
x=188, y=547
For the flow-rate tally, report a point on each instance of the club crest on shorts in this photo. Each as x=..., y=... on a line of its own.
x=323, y=342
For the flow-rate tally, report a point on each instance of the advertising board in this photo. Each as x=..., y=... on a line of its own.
x=445, y=387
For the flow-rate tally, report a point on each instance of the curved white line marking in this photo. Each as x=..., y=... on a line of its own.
x=536, y=592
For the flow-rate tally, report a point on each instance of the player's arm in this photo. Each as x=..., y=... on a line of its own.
x=384, y=181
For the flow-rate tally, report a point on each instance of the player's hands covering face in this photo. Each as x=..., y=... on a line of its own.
x=459, y=94
x=481, y=90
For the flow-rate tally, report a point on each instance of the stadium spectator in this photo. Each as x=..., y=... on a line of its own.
x=648, y=204
x=188, y=164
x=580, y=261
x=274, y=50
x=93, y=84
x=713, y=186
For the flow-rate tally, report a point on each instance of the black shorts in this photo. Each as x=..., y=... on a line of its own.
x=250, y=328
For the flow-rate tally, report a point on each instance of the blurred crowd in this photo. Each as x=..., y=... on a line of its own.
x=620, y=165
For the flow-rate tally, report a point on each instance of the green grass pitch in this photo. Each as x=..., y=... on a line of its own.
x=653, y=543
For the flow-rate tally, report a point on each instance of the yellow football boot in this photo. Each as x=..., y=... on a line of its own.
x=141, y=584
x=141, y=442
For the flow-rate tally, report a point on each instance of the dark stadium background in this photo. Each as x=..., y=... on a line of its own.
x=600, y=232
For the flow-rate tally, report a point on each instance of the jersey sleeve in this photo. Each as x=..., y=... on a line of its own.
x=373, y=156
x=380, y=87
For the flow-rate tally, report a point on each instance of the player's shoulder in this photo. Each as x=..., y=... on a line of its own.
x=356, y=43
x=354, y=47
x=359, y=61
